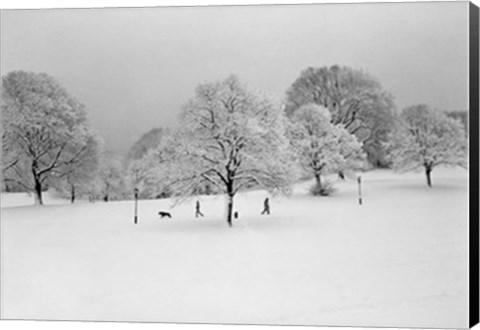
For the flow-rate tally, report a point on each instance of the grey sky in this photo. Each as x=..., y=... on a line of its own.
x=135, y=68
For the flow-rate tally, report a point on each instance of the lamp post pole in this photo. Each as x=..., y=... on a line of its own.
x=135, y=218
x=359, y=180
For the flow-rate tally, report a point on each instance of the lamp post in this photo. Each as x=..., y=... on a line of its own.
x=135, y=218
x=359, y=180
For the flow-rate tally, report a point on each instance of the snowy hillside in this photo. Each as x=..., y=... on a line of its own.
x=399, y=259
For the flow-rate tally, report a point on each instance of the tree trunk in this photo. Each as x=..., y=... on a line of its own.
x=230, y=209
x=107, y=190
x=37, y=184
x=38, y=191
x=230, y=195
x=318, y=180
x=72, y=194
x=428, y=171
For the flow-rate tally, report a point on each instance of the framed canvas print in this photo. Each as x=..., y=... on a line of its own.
x=303, y=164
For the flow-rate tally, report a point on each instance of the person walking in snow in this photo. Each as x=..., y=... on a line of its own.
x=197, y=210
x=266, y=206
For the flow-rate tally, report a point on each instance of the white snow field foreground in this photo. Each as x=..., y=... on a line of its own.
x=400, y=259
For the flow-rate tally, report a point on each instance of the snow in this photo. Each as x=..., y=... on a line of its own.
x=27, y=199
x=400, y=259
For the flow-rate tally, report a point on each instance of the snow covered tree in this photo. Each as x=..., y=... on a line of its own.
x=426, y=138
x=76, y=179
x=146, y=174
x=461, y=115
x=9, y=159
x=232, y=139
x=147, y=141
x=355, y=100
x=321, y=146
x=141, y=161
x=44, y=130
x=111, y=183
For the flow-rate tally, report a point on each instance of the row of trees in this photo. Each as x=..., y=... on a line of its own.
x=47, y=142
x=229, y=138
x=355, y=100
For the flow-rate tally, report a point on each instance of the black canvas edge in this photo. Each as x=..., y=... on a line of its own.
x=473, y=166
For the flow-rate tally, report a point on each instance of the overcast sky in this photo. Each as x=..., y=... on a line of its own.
x=135, y=68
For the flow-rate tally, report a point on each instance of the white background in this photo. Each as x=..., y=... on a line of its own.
x=54, y=325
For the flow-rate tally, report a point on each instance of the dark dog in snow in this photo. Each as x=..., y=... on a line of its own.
x=164, y=214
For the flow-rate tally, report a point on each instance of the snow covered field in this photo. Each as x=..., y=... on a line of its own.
x=401, y=259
